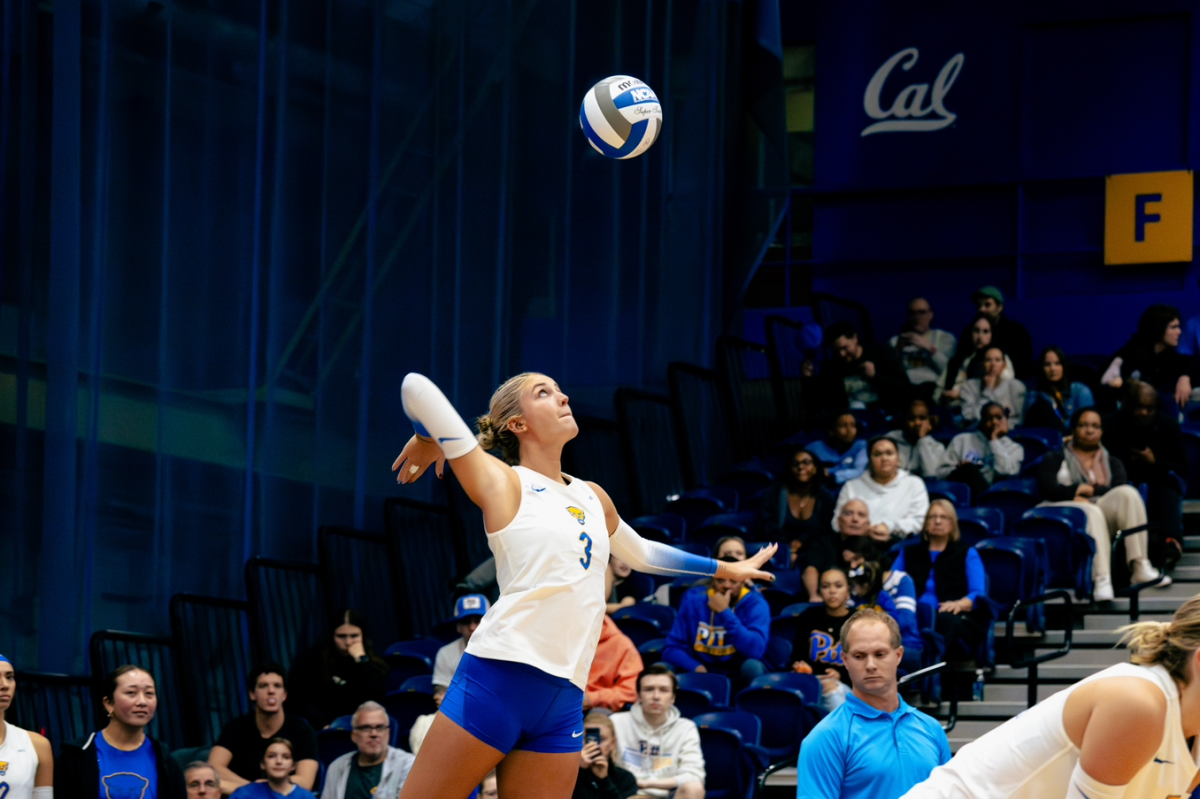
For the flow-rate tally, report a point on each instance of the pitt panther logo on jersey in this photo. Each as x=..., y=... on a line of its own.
x=3, y=767
x=577, y=513
x=824, y=648
x=711, y=640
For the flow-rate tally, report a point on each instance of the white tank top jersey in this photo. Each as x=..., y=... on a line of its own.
x=18, y=764
x=1031, y=757
x=550, y=563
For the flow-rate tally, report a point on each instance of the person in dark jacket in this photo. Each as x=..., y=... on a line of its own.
x=1083, y=475
x=862, y=375
x=1152, y=356
x=1009, y=335
x=121, y=759
x=338, y=674
x=1054, y=397
x=816, y=648
x=1149, y=443
x=949, y=577
x=722, y=627
x=599, y=777
x=797, y=509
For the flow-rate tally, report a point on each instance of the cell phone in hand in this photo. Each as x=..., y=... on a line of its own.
x=591, y=735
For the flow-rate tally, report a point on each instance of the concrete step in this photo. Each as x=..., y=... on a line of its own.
x=1189, y=559
x=1084, y=638
x=968, y=730
x=1112, y=621
x=1088, y=657
x=1188, y=573
x=1004, y=694
x=988, y=707
x=1054, y=670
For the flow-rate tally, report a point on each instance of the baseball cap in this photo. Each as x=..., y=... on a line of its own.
x=470, y=605
x=988, y=291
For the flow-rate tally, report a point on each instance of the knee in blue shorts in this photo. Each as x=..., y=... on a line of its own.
x=515, y=706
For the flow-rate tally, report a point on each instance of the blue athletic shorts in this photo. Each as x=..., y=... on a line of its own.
x=515, y=706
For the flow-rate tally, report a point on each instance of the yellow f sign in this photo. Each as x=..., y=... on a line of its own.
x=1148, y=218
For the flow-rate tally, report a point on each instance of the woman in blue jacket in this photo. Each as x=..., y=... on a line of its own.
x=1054, y=397
x=721, y=627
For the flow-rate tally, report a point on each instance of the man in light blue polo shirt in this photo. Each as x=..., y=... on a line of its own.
x=875, y=745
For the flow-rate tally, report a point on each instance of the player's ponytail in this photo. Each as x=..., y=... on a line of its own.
x=493, y=425
x=1168, y=644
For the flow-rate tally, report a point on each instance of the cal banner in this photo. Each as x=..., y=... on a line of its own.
x=916, y=94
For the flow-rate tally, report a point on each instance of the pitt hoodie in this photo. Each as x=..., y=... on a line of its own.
x=701, y=637
x=672, y=750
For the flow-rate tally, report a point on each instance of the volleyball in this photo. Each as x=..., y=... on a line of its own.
x=621, y=117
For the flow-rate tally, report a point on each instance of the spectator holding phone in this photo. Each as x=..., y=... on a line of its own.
x=599, y=777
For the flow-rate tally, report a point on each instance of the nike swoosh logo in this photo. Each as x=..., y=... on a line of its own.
x=1168, y=762
x=449, y=438
x=576, y=734
x=539, y=490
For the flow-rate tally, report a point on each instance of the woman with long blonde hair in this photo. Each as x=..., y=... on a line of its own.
x=1119, y=734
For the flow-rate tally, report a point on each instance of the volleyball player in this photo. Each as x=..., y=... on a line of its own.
x=26, y=762
x=1119, y=734
x=516, y=700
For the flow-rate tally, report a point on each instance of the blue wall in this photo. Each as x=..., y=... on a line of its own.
x=1049, y=99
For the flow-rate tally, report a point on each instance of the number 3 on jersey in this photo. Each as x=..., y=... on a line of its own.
x=586, y=560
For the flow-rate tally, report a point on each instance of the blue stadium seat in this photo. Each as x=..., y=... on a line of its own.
x=212, y=642
x=693, y=701
x=662, y=526
x=332, y=743
x=641, y=585
x=1012, y=497
x=1015, y=572
x=358, y=574
x=777, y=600
x=1069, y=551
x=958, y=494
x=991, y=518
x=404, y=706
x=696, y=506
x=871, y=422
x=749, y=480
x=407, y=659
x=747, y=726
x=807, y=684
x=779, y=653
x=651, y=651
x=786, y=718
x=1037, y=441
x=681, y=585
x=788, y=581
x=721, y=525
x=443, y=631
x=110, y=649
x=779, y=562
x=735, y=776
x=644, y=622
x=717, y=686
x=784, y=625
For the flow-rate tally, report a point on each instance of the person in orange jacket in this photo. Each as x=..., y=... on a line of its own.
x=612, y=682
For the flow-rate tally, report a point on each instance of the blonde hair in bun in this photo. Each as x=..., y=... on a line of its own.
x=1168, y=644
x=503, y=408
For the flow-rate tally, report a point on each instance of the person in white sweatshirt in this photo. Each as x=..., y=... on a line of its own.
x=896, y=499
x=920, y=453
x=978, y=457
x=656, y=743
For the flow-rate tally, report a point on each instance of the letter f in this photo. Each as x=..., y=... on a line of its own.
x=1141, y=218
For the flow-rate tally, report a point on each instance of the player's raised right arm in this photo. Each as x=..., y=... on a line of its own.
x=441, y=433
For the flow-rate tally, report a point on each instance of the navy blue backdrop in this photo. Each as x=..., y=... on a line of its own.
x=230, y=228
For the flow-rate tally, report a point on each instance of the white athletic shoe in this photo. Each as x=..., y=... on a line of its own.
x=1144, y=572
x=1102, y=590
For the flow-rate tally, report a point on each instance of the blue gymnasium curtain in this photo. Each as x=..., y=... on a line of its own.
x=229, y=228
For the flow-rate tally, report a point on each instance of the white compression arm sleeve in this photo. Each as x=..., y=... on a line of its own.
x=655, y=558
x=1084, y=786
x=434, y=417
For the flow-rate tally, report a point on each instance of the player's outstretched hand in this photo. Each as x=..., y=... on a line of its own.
x=750, y=568
x=412, y=462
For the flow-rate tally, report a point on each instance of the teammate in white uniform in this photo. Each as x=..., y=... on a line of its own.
x=516, y=700
x=26, y=762
x=1119, y=734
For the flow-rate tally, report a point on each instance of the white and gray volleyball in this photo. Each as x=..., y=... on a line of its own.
x=621, y=117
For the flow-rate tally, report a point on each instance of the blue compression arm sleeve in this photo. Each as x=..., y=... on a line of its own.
x=434, y=417
x=652, y=557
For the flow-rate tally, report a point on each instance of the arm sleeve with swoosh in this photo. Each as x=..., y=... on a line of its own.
x=434, y=417
x=652, y=557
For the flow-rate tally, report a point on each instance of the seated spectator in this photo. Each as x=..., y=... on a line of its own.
x=920, y=453
x=993, y=386
x=1083, y=475
x=468, y=612
x=798, y=509
x=612, y=682
x=1149, y=444
x=841, y=453
x=867, y=576
x=875, y=744
x=29, y=758
x=735, y=547
x=897, y=500
x=950, y=579
x=1009, y=335
x=968, y=363
x=599, y=777
x=376, y=770
x=1151, y=355
x=656, y=743
x=722, y=627
x=121, y=759
x=338, y=674
x=816, y=649
x=421, y=725
x=862, y=375
x=277, y=766
x=923, y=350
x=1055, y=398
x=626, y=589
x=201, y=780
x=238, y=752
x=977, y=457
x=488, y=788
x=853, y=523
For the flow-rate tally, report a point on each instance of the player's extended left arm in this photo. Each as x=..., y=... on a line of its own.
x=652, y=557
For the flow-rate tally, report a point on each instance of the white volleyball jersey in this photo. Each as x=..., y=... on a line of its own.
x=18, y=764
x=550, y=563
x=1031, y=757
